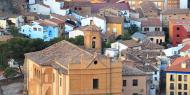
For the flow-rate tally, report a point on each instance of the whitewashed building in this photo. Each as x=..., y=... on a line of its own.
x=56, y=6
x=97, y=20
x=40, y=9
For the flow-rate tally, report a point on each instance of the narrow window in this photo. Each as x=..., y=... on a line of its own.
x=179, y=78
x=60, y=83
x=95, y=83
x=124, y=83
x=135, y=82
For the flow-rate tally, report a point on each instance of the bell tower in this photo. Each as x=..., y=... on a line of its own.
x=92, y=36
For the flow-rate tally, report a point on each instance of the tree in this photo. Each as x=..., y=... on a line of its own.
x=166, y=31
x=133, y=29
x=126, y=35
x=9, y=72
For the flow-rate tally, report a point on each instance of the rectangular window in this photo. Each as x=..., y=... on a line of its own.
x=135, y=82
x=155, y=78
x=124, y=83
x=171, y=93
x=35, y=29
x=179, y=77
x=171, y=86
x=179, y=93
x=39, y=29
x=146, y=29
x=171, y=77
x=185, y=86
x=95, y=83
x=60, y=82
x=179, y=86
x=185, y=93
x=157, y=29
x=185, y=77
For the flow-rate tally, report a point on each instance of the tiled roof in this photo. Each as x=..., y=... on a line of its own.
x=151, y=22
x=64, y=18
x=120, y=6
x=130, y=70
x=175, y=11
x=176, y=65
x=130, y=43
x=148, y=6
x=148, y=45
x=92, y=28
x=114, y=19
x=185, y=48
x=155, y=33
x=56, y=21
x=62, y=52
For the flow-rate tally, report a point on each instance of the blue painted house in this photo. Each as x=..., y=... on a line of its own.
x=44, y=29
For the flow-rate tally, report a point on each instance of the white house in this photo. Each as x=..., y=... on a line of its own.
x=31, y=2
x=123, y=45
x=97, y=20
x=75, y=33
x=173, y=50
x=56, y=6
x=184, y=4
x=40, y=9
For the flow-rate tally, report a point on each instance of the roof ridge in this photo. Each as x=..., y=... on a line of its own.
x=77, y=47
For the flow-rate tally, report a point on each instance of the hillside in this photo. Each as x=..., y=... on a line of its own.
x=12, y=6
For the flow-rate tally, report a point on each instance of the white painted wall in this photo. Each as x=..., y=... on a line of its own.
x=68, y=28
x=97, y=21
x=40, y=9
x=173, y=50
x=55, y=7
x=32, y=2
x=119, y=46
x=184, y=4
x=3, y=24
x=75, y=33
x=151, y=29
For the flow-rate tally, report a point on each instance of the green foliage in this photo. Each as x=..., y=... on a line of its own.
x=9, y=72
x=106, y=44
x=18, y=46
x=133, y=29
x=166, y=31
x=126, y=36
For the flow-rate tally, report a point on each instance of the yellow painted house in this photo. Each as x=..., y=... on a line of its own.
x=178, y=77
x=67, y=69
x=115, y=25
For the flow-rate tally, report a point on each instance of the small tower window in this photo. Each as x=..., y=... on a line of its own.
x=94, y=42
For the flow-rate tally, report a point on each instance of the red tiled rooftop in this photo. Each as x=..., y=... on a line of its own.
x=176, y=64
x=121, y=6
x=185, y=48
x=151, y=22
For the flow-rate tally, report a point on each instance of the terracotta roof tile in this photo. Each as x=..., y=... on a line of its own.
x=185, y=48
x=176, y=65
x=151, y=22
